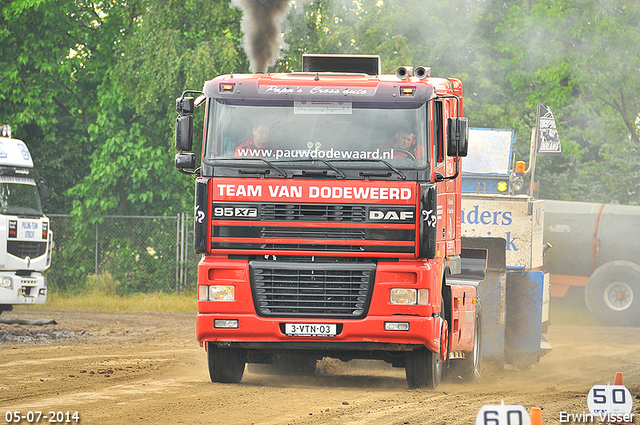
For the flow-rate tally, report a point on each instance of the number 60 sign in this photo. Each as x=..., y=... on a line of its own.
x=503, y=414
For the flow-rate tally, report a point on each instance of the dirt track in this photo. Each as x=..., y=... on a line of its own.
x=147, y=368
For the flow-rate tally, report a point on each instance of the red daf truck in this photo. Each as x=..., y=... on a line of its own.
x=327, y=211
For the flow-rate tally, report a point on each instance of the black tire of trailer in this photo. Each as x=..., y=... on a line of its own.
x=469, y=369
x=226, y=365
x=612, y=294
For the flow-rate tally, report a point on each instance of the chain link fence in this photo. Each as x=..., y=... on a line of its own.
x=124, y=254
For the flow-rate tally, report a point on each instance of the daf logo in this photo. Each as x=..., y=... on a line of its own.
x=390, y=215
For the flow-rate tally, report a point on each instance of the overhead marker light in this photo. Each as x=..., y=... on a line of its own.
x=407, y=91
x=227, y=87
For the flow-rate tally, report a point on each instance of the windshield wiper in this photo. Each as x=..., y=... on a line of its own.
x=282, y=172
x=391, y=167
x=338, y=171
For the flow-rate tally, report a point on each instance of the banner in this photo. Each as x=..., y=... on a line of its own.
x=548, y=139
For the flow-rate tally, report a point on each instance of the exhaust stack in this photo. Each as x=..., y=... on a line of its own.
x=404, y=72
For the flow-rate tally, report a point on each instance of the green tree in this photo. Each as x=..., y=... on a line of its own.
x=53, y=55
x=168, y=52
x=581, y=58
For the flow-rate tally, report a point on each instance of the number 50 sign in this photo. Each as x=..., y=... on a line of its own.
x=609, y=400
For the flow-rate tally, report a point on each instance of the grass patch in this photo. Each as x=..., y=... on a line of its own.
x=95, y=300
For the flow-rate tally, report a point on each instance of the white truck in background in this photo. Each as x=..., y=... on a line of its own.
x=26, y=239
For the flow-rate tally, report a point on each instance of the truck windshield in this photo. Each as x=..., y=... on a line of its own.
x=297, y=130
x=489, y=151
x=19, y=196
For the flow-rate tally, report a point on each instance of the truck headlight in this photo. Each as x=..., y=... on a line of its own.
x=6, y=282
x=403, y=296
x=216, y=293
x=409, y=296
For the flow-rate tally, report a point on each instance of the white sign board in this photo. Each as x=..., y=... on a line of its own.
x=508, y=217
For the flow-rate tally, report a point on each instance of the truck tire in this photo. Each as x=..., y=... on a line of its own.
x=225, y=364
x=612, y=294
x=471, y=365
x=423, y=368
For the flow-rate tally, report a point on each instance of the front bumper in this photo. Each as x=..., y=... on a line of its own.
x=22, y=290
x=363, y=334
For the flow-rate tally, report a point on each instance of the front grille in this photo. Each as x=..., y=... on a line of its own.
x=365, y=229
x=311, y=290
x=312, y=233
x=313, y=212
x=23, y=249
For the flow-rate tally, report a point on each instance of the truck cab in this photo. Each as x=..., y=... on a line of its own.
x=328, y=218
x=25, y=235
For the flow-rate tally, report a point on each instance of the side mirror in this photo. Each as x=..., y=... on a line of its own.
x=186, y=161
x=185, y=105
x=458, y=136
x=184, y=132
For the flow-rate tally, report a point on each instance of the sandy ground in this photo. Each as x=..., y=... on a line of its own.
x=147, y=368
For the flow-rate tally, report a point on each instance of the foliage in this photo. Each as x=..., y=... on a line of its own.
x=90, y=86
x=168, y=53
x=581, y=58
x=51, y=63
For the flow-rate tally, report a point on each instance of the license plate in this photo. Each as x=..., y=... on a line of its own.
x=310, y=329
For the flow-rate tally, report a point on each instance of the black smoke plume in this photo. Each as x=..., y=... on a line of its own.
x=261, y=24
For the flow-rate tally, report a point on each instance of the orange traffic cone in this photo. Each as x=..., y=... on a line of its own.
x=536, y=416
x=618, y=379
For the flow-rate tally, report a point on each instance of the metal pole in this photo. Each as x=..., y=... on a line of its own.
x=186, y=251
x=177, y=251
x=96, y=253
x=183, y=253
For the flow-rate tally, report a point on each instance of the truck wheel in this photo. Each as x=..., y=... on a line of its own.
x=471, y=365
x=423, y=368
x=225, y=364
x=612, y=294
